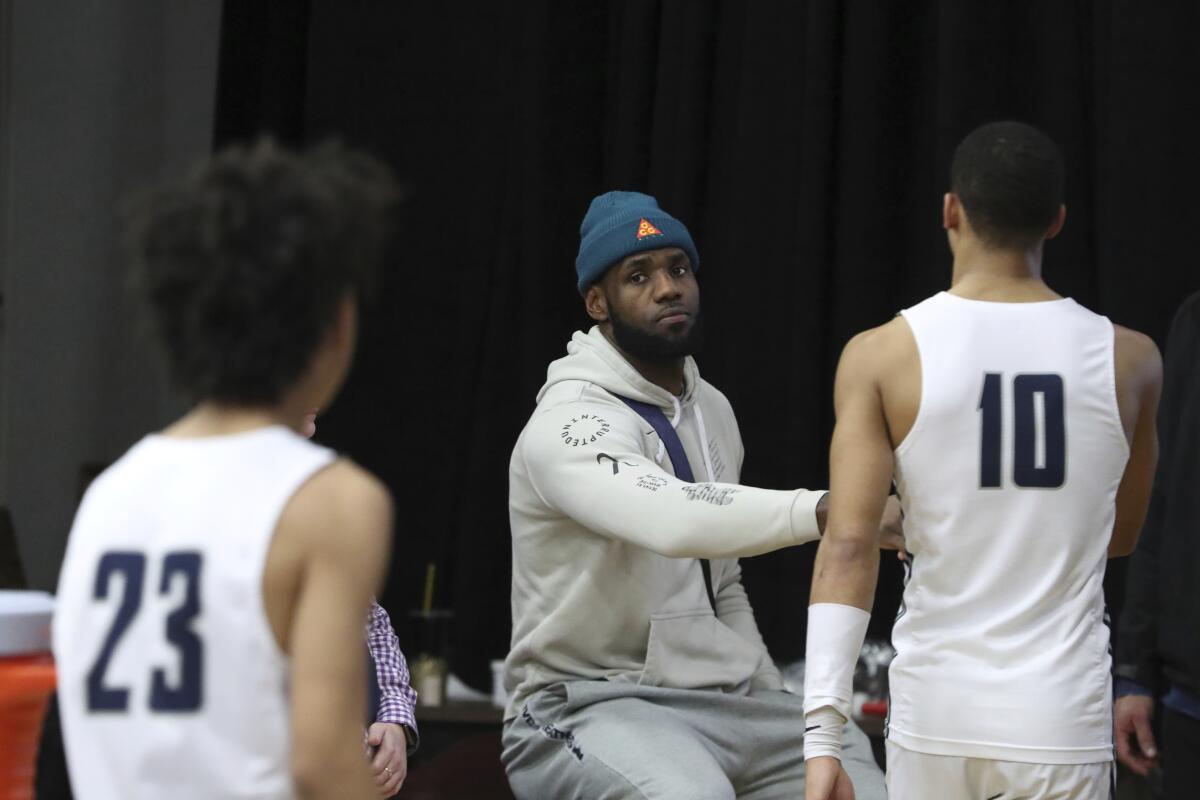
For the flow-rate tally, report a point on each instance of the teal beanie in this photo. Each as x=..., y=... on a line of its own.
x=619, y=224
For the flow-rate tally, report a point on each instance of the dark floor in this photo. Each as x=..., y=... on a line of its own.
x=469, y=769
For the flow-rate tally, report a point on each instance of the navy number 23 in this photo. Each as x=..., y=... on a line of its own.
x=1039, y=445
x=186, y=694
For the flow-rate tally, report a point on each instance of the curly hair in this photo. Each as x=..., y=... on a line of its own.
x=1009, y=177
x=242, y=264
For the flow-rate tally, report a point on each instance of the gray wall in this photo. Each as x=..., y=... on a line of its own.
x=95, y=99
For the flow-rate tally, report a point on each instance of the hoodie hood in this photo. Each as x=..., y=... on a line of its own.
x=591, y=357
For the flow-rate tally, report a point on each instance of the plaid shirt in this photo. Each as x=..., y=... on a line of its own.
x=397, y=700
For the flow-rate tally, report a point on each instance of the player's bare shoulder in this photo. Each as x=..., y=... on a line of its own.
x=346, y=492
x=885, y=359
x=1135, y=354
x=883, y=348
x=340, y=515
x=340, y=508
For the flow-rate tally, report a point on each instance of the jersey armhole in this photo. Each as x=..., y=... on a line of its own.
x=264, y=620
x=918, y=421
x=1114, y=399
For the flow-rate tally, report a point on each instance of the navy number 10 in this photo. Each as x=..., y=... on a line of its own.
x=1039, y=439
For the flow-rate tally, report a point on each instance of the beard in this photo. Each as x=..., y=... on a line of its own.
x=654, y=346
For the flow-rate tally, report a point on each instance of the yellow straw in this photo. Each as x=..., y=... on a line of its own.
x=430, y=570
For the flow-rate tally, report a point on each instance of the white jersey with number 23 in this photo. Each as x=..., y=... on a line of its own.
x=171, y=683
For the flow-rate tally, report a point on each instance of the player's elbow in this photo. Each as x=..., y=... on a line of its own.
x=1127, y=529
x=325, y=773
x=309, y=779
x=1120, y=546
x=846, y=543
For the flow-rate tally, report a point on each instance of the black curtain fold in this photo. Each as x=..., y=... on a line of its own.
x=805, y=143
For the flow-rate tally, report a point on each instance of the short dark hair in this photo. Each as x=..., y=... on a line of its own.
x=242, y=264
x=1009, y=177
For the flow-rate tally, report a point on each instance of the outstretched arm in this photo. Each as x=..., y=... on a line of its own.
x=860, y=465
x=602, y=479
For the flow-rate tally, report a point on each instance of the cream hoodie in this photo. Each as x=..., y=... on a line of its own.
x=606, y=581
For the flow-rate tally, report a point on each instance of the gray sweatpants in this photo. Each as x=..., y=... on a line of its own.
x=596, y=740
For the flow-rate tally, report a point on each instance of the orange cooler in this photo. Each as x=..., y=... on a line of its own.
x=26, y=681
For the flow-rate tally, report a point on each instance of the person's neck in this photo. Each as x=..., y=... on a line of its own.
x=1000, y=276
x=666, y=373
x=211, y=418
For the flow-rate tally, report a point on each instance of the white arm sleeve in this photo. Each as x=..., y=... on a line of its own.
x=586, y=460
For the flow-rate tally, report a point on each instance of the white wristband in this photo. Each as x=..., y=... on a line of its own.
x=823, y=733
x=835, y=637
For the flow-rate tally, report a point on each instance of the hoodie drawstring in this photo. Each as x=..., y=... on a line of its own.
x=678, y=412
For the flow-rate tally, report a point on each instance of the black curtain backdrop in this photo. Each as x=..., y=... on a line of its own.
x=804, y=143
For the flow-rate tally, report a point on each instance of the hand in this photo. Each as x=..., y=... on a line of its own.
x=891, y=528
x=1135, y=739
x=824, y=779
x=390, y=763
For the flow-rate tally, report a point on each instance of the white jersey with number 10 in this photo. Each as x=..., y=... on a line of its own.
x=1008, y=481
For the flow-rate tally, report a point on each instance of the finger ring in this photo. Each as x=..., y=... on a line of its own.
x=388, y=770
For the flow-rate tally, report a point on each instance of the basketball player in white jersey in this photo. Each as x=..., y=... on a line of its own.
x=208, y=635
x=1019, y=429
